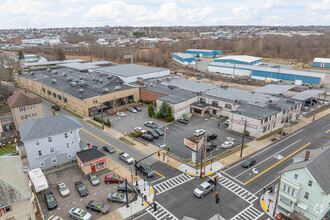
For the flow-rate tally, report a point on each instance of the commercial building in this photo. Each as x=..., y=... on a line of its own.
x=184, y=58
x=240, y=59
x=17, y=200
x=91, y=160
x=40, y=41
x=50, y=63
x=304, y=189
x=51, y=141
x=84, y=67
x=321, y=62
x=204, y=53
x=24, y=106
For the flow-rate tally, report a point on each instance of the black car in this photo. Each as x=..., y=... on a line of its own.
x=147, y=137
x=109, y=149
x=145, y=169
x=122, y=188
x=56, y=108
x=210, y=146
x=160, y=132
x=50, y=200
x=248, y=162
x=97, y=206
x=183, y=121
x=211, y=136
x=137, y=108
x=154, y=134
x=81, y=188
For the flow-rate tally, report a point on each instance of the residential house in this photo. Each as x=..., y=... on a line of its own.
x=91, y=160
x=51, y=141
x=17, y=200
x=304, y=191
x=23, y=106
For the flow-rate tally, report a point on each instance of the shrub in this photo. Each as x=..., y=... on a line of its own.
x=247, y=133
x=147, y=101
x=107, y=123
x=169, y=118
x=131, y=101
x=151, y=110
x=136, y=134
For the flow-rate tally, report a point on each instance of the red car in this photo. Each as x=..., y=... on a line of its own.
x=113, y=178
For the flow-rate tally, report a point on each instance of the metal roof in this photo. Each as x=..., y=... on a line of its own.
x=200, y=50
x=307, y=94
x=189, y=85
x=243, y=58
x=129, y=70
x=185, y=55
x=322, y=60
x=53, y=62
x=83, y=66
x=274, y=89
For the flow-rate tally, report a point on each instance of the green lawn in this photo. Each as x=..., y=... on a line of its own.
x=8, y=149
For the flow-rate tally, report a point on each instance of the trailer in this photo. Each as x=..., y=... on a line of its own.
x=38, y=180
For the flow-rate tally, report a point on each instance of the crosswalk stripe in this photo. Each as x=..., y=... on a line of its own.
x=172, y=183
x=161, y=213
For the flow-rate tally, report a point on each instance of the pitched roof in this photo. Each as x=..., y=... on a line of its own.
x=89, y=155
x=13, y=182
x=21, y=98
x=44, y=127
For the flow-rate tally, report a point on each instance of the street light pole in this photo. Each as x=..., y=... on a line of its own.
x=243, y=138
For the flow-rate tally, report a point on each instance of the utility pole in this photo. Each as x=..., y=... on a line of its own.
x=205, y=152
x=287, y=114
x=102, y=116
x=243, y=138
x=126, y=193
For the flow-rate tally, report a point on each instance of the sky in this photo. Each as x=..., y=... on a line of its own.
x=82, y=13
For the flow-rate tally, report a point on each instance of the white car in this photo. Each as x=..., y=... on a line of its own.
x=140, y=129
x=227, y=144
x=227, y=122
x=151, y=124
x=126, y=158
x=64, y=190
x=199, y=132
x=121, y=114
x=79, y=214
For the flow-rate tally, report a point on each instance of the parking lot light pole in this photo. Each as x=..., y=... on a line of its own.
x=126, y=193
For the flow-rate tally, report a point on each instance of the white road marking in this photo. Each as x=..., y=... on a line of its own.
x=167, y=185
x=141, y=215
x=152, y=182
x=266, y=186
x=161, y=213
x=248, y=214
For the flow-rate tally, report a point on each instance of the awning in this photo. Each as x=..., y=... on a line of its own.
x=302, y=206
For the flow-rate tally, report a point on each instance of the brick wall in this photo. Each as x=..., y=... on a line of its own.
x=149, y=95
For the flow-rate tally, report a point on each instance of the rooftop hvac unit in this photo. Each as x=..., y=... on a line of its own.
x=101, y=81
x=64, y=74
x=80, y=90
x=75, y=80
x=109, y=76
x=48, y=69
x=101, y=74
x=151, y=84
x=73, y=83
x=106, y=90
x=32, y=73
x=93, y=78
x=69, y=79
x=81, y=78
x=80, y=96
x=118, y=88
x=97, y=79
x=53, y=80
x=55, y=72
x=71, y=71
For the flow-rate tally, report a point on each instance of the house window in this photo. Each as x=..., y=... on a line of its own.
x=29, y=116
x=284, y=187
x=59, y=97
x=34, y=114
x=23, y=117
x=261, y=121
x=26, y=107
x=52, y=150
x=266, y=119
x=284, y=112
x=32, y=107
x=50, y=139
x=66, y=135
x=7, y=209
x=282, y=121
x=21, y=109
x=49, y=92
x=54, y=159
x=100, y=165
x=228, y=106
x=69, y=155
x=67, y=145
x=39, y=153
x=42, y=163
x=306, y=195
x=310, y=183
x=286, y=201
x=54, y=94
x=264, y=129
x=289, y=189
x=292, y=192
x=215, y=103
x=275, y=115
x=295, y=176
x=37, y=142
x=65, y=99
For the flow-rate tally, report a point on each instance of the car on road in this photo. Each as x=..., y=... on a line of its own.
x=8, y=127
x=153, y=133
x=227, y=122
x=50, y=200
x=63, y=189
x=137, y=108
x=145, y=169
x=79, y=214
x=204, y=188
x=113, y=178
x=93, y=179
x=183, y=121
x=211, y=136
x=122, y=188
x=227, y=144
x=97, y=206
x=151, y=124
x=159, y=132
x=109, y=149
x=121, y=114
x=210, y=146
x=126, y=158
x=248, y=162
x=199, y=132
x=81, y=188
x=133, y=110
x=147, y=137
x=117, y=197
x=136, y=129
x=56, y=108
x=54, y=217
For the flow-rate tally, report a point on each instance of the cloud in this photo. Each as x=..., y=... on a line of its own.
x=73, y=1
x=319, y=6
x=22, y=7
x=69, y=11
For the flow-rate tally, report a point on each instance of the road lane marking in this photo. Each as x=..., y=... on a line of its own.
x=328, y=131
x=159, y=174
x=277, y=163
x=248, y=213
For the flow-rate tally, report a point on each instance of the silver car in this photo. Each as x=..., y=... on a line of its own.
x=117, y=197
x=93, y=179
x=79, y=214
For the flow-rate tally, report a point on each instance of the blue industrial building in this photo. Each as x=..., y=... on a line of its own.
x=240, y=59
x=204, y=53
x=184, y=58
x=321, y=62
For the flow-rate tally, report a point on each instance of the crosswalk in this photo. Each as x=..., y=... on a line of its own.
x=237, y=189
x=250, y=213
x=161, y=213
x=171, y=183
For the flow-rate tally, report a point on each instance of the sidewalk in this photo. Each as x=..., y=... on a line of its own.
x=267, y=202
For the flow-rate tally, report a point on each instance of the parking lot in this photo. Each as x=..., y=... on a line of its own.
x=69, y=176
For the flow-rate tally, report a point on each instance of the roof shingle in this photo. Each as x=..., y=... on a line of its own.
x=21, y=98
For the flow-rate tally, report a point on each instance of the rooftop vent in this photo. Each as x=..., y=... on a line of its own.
x=55, y=72
x=80, y=96
x=118, y=88
x=48, y=69
x=81, y=77
x=159, y=80
x=151, y=84
x=94, y=78
x=97, y=79
x=64, y=74
x=171, y=87
x=53, y=80
x=32, y=73
x=109, y=76
x=101, y=74
x=73, y=83
x=80, y=90
x=106, y=90
x=101, y=81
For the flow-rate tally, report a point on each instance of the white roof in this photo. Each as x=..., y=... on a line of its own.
x=185, y=55
x=201, y=50
x=322, y=60
x=243, y=58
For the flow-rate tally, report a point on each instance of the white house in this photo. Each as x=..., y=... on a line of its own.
x=51, y=141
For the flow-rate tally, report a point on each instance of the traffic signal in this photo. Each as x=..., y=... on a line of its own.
x=155, y=207
x=217, y=197
x=215, y=180
x=158, y=153
x=168, y=149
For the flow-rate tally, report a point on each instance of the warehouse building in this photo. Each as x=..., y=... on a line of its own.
x=240, y=59
x=321, y=62
x=50, y=63
x=204, y=53
x=184, y=58
x=84, y=67
x=230, y=69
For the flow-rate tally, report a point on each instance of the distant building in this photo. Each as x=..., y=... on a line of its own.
x=39, y=41
x=23, y=106
x=240, y=59
x=184, y=58
x=17, y=200
x=51, y=141
x=321, y=62
x=29, y=58
x=204, y=53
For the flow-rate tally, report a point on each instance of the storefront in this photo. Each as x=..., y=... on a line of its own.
x=92, y=161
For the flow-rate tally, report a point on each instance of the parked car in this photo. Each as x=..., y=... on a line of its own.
x=136, y=129
x=79, y=214
x=145, y=169
x=160, y=132
x=248, y=162
x=8, y=127
x=211, y=136
x=126, y=158
x=121, y=114
x=81, y=188
x=50, y=200
x=54, y=217
x=97, y=207
x=151, y=124
x=109, y=149
x=199, y=132
x=113, y=178
x=154, y=134
x=227, y=144
x=147, y=137
x=183, y=121
x=117, y=197
x=93, y=179
x=64, y=190
x=133, y=110
x=122, y=188
x=210, y=146
x=56, y=108
x=204, y=188
x=137, y=108
x=227, y=122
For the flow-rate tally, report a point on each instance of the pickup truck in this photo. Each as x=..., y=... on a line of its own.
x=204, y=188
x=145, y=169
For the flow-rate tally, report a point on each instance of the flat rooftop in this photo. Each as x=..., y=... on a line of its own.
x=243, y=58
x=185, y=55
x=84, y=66
x=53, y=62
x=307, y=94
x=322, y=60
x=201, y=50
x=274, y=89
x=129, y=70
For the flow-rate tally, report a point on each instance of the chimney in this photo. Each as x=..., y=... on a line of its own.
x=307, y=155
x=53, y=110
